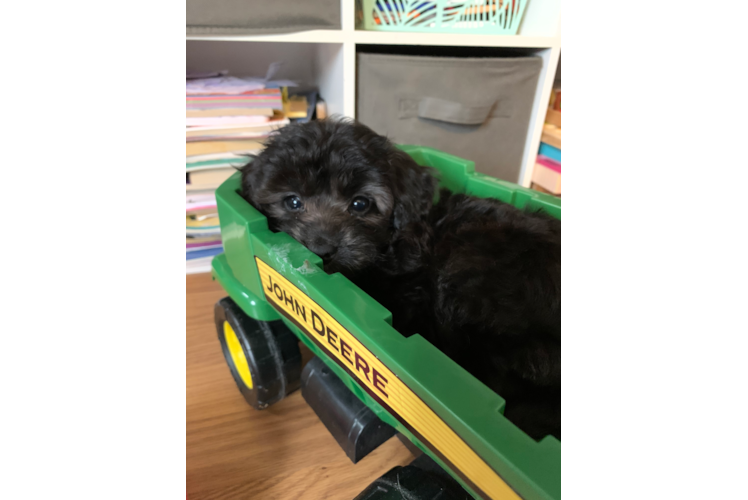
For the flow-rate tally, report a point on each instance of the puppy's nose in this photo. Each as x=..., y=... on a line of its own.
x=321, y=248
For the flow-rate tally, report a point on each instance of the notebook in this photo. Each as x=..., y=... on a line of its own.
x=208, y=179
x=205, y=113
x=212, y=147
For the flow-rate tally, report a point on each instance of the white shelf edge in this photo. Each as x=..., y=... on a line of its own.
x=539, y=110
x=362, y=37
x=453, y=39
x=314, y=36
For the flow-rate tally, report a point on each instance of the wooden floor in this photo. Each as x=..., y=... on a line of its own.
x=236, y=452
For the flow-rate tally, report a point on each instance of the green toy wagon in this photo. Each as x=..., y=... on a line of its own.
x=379, y=382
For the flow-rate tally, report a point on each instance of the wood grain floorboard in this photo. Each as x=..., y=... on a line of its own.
x=236, y=452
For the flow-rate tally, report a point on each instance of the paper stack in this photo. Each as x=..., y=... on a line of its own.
x=228, y=119
x=203, y=231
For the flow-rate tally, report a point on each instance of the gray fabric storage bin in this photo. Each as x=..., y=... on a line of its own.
x=246, y=17
x=476, y=108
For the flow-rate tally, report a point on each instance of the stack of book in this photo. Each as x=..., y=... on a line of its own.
x=546, y=175
x=227, y=120
x=203, y=231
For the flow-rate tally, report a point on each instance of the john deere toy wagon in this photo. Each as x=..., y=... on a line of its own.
x=368, y=381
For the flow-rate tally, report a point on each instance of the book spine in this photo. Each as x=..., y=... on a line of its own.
x=553, y=117
x=551, y=139
x=549, y=163
x=550, y=151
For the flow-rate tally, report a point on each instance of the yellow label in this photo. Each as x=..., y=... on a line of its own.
x=382, y=384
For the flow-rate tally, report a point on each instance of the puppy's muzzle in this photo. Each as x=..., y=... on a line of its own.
x=323, y=248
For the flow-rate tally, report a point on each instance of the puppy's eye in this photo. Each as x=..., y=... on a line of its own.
x=360, y=205
x=293, y=203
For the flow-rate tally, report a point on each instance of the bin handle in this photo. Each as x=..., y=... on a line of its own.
x=452, y=112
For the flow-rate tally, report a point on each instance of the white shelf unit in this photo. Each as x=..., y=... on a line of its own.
x=327, y=58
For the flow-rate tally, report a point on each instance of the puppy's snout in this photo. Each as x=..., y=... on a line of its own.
x=321, y=247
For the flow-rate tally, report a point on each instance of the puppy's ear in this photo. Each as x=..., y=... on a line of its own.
x=413, y=189
x=413, y=192
x=250, y=178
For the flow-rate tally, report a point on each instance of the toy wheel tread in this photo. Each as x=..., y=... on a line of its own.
x=263, y=357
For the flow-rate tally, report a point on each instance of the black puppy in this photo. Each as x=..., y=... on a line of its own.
x=486, y=276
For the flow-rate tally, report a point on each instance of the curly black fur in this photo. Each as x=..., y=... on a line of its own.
x=485, y=276
x=327, y=164
x=497, y=291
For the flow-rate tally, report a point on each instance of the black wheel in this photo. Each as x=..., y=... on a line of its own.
x=263, y=357
x=423, y=479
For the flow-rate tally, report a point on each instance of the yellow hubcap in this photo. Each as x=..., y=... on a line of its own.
x=237, y=354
